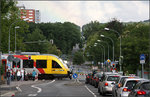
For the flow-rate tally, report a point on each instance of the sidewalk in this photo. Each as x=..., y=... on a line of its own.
x=10, y=90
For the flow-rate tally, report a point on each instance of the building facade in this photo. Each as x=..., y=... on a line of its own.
x=29, y=15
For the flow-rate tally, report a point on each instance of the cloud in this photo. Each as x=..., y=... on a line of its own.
x=82, y=12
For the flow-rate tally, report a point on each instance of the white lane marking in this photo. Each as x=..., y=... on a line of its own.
x=39, y=89
x=90, y=91
x=32, y=94
x=18, y=89
x=46, y=83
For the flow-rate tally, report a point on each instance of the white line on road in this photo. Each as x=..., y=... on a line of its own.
x=39, y=89
x=32, y=94
x=18, y=89
x=90, y=91
x=46, y=83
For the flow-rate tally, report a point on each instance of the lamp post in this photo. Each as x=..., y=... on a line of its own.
x=9, y=34
x=103, y=48
x=107, y=45
x=112, y=42
x=15, y=36
x=120, y=43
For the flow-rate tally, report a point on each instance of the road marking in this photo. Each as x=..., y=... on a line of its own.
x=46, y=83
x=7, y=94
x=32, y=94
x=90, y=91
x=39, y=89
x=18, y=89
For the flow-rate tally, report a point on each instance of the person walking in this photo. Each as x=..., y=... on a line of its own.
x=18, y=75
x=33, y=75
x=22, y=74
x=8, y=77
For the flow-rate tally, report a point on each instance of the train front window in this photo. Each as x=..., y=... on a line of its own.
x=41, y=63
x=16, y=65
x=28, y=63
x=55, y=64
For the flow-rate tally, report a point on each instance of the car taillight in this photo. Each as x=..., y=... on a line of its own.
x=126, y=90
x=106, y=84
x=141, y=92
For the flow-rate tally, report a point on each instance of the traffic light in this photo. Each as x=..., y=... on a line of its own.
x=113, y=65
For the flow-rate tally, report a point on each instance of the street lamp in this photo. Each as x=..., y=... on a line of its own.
x=107, y=45
x=9, y=33
x=15, y=36
x=107, y=29
x=112, y=42
x=103, y=53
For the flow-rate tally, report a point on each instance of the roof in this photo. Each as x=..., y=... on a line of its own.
x=128, y=79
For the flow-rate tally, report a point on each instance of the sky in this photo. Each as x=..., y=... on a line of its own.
x=83, y=12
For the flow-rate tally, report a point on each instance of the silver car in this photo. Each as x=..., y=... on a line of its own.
x=126, y=86
x=121, y=79
x=106, y=84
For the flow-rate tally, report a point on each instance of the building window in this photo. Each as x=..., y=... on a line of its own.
x=55, y=64
x=30, y=11
x=30, y=17
x=41, y=63
x=30, y=20
x=30, y=14
x=23, y=16
x=28, y=63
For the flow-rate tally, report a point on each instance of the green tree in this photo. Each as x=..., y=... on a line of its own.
x=78, y=58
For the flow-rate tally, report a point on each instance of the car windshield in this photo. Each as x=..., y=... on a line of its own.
x=112, y=78
x=146, y=86
x=131, y=84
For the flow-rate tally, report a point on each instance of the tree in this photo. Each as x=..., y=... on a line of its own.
x=10, y=14
x=78, y=58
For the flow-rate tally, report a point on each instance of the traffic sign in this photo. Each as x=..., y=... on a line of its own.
x=75, y=75
x=10, y=58
x=142, y=59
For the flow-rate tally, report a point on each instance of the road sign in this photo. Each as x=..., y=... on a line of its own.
x=75, y=75
x=16, y=60
x=10, y=58
x=142, y=59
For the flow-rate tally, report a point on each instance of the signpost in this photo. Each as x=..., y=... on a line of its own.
x=142, y=61
x=75, y=76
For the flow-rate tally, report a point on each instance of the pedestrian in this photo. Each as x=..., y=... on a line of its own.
x=12, y=74
x=33, y=75
x=22, y=74
x=8, y=77
x=25, y=75
x=18, y=75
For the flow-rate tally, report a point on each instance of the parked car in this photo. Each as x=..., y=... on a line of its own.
x=106, y=84
x=97, y=79
x=141, y=89
x=126, y=86
x=92, y=76
x=87, y=79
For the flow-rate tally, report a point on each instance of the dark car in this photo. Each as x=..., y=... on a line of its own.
x=141, y=89
x=87, y=79
x=97, y=79
x=92, y=76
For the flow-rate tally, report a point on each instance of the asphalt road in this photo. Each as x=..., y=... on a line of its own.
x=59, y=88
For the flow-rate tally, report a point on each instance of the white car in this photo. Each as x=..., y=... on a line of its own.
x=106, y=84
x=126, y=86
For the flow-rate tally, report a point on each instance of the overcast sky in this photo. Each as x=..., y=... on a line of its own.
x=82, y=12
